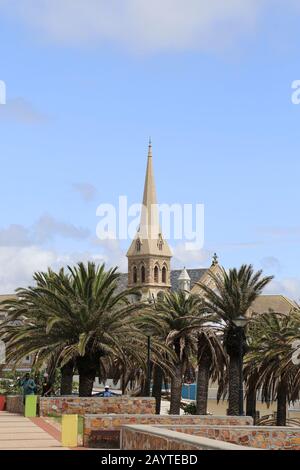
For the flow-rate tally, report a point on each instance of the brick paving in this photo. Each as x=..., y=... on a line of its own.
x=19, y=433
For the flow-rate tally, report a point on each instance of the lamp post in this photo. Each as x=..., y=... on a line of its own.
x=241, y=322
x=148, y=382
x=151, y=300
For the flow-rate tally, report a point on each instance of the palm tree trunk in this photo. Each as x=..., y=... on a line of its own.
x=123, y=385
x=281, y=404
x=176, y=391
x=251, y=399
x=123, y=381
x=234, y=382
x=66, y=381
x=157, y=386
x=87, y=369
x=203, y=384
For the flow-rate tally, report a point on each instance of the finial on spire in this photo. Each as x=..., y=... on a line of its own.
x=150, y=148
x=215, y=260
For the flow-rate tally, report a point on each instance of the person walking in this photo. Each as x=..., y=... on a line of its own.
x=28, y=385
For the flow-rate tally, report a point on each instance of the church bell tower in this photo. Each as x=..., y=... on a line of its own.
x=149, y=255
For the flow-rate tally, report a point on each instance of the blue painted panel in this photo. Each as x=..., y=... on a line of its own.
x=189, y=391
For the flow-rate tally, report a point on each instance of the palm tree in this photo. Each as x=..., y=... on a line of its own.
x=79, y=315
x=212, y=364
x=20, y=314
x=232, y=296
x=175, y=318
x=270, y=357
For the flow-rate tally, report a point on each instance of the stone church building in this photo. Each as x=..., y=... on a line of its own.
x=149, y=259
x=149, y=255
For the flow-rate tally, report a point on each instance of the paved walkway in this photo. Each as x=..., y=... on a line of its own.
x=19, y=433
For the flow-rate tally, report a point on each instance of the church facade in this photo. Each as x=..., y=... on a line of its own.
x=149, y=255
x=149, y=260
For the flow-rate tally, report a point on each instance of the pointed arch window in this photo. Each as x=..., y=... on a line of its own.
x=143, y=273
x=164, y=275
x=138, y=245
x=156, y=273
x=134, y=275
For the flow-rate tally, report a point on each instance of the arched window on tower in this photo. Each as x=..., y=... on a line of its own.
x=164, y=275
x=134, y=275
x=156, y=271
x=143, y=273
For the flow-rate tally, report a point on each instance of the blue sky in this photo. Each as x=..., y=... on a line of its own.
x=88, y=82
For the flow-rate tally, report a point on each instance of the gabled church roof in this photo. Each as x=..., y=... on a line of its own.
x=194, y=274
x=276, y=303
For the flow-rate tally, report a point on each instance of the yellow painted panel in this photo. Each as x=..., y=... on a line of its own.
x=69, y=430
x=30, y=406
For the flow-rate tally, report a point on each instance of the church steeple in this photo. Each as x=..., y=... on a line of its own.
x=149, y=226
x=149, y=254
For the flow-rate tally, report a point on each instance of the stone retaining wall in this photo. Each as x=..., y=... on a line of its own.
x=141, y=437
x=15, y=404
x=55, y=406
x=271, y=438
x=103, y=431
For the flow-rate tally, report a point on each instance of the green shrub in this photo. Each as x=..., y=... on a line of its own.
x=190, y=409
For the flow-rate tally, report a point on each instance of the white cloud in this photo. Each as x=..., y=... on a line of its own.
x=22, y=251
x=20, y=110
x=86, y=190
x=46, y=228
x=112, y=253
x=281, y=232
x=139, y=24
x=189, y=258
x=17, y=264
x=271, y=263
x=289, y=287
x=15, y=235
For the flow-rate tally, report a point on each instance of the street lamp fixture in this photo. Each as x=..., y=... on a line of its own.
x=241, y=321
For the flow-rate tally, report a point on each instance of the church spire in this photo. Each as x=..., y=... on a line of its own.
x=149, y=254
x=149, y=226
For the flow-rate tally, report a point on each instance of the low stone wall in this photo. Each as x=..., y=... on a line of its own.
x=15, y=404
x=103, y=431
x=55, y=406
x=271, y=438
x=140, y=437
